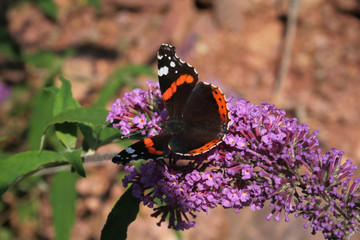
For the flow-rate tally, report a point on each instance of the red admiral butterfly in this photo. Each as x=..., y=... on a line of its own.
x=198, y=113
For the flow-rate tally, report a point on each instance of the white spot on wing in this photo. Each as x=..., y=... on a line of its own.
x=134, y=155
x=172, y=64
x=160, y=57
x=130, y=150
x=163, y=71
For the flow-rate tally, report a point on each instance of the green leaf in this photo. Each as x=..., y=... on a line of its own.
x=108, y=135
x=96, y=136
x=48, y=7
x=62, y=198
x=86, y=115
x=4, y=155
x=66, y=133
x=64, y=99
x=120, y=217
x=41, y=59
x=96, y=4
x=41, y=115
x=74, y=158
x=91, y=135
x=24, y=163
x=52, y=89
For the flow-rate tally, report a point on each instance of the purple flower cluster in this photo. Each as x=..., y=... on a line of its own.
x=264, y=157
x=141, y=111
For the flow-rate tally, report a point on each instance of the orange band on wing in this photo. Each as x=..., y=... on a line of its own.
x=148, y=142
x=185, y=78
x=222, y=104
x=149, y=145
x=206, y=147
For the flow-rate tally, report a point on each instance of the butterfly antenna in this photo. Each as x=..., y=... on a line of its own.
x=130, y=135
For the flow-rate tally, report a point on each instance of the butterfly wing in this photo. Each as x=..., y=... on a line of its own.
x=207, y=114
x=202, y=107
x=151, y=148
x=177, y=80
x=190, y=144
x=207, y=106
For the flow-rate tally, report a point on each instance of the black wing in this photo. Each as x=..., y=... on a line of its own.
x=207, y=114
x=177, y=80
x=151, y=148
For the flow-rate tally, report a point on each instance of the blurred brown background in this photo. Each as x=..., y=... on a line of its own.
x=239, y=45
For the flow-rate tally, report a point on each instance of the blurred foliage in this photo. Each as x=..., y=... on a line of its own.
x=6, y=234
x=8, y=48
x=63, y=196
x=25, y=164
x=56, y=131
x=48, y=7
x=119, y=78
x=47, y=128
x=58, y=117
x=96, y=4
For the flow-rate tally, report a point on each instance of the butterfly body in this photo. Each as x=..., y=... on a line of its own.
x=198, y=113
x=175, y=127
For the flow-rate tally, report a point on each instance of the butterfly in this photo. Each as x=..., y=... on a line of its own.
x=198, y=113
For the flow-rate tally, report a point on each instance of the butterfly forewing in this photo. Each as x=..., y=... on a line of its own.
x=177, y=80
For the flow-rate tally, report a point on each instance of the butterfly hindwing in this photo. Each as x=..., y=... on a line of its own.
x=207, y=106
x=206, y=112
x=189, y=144
x=177, y=80
x=150, y=148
